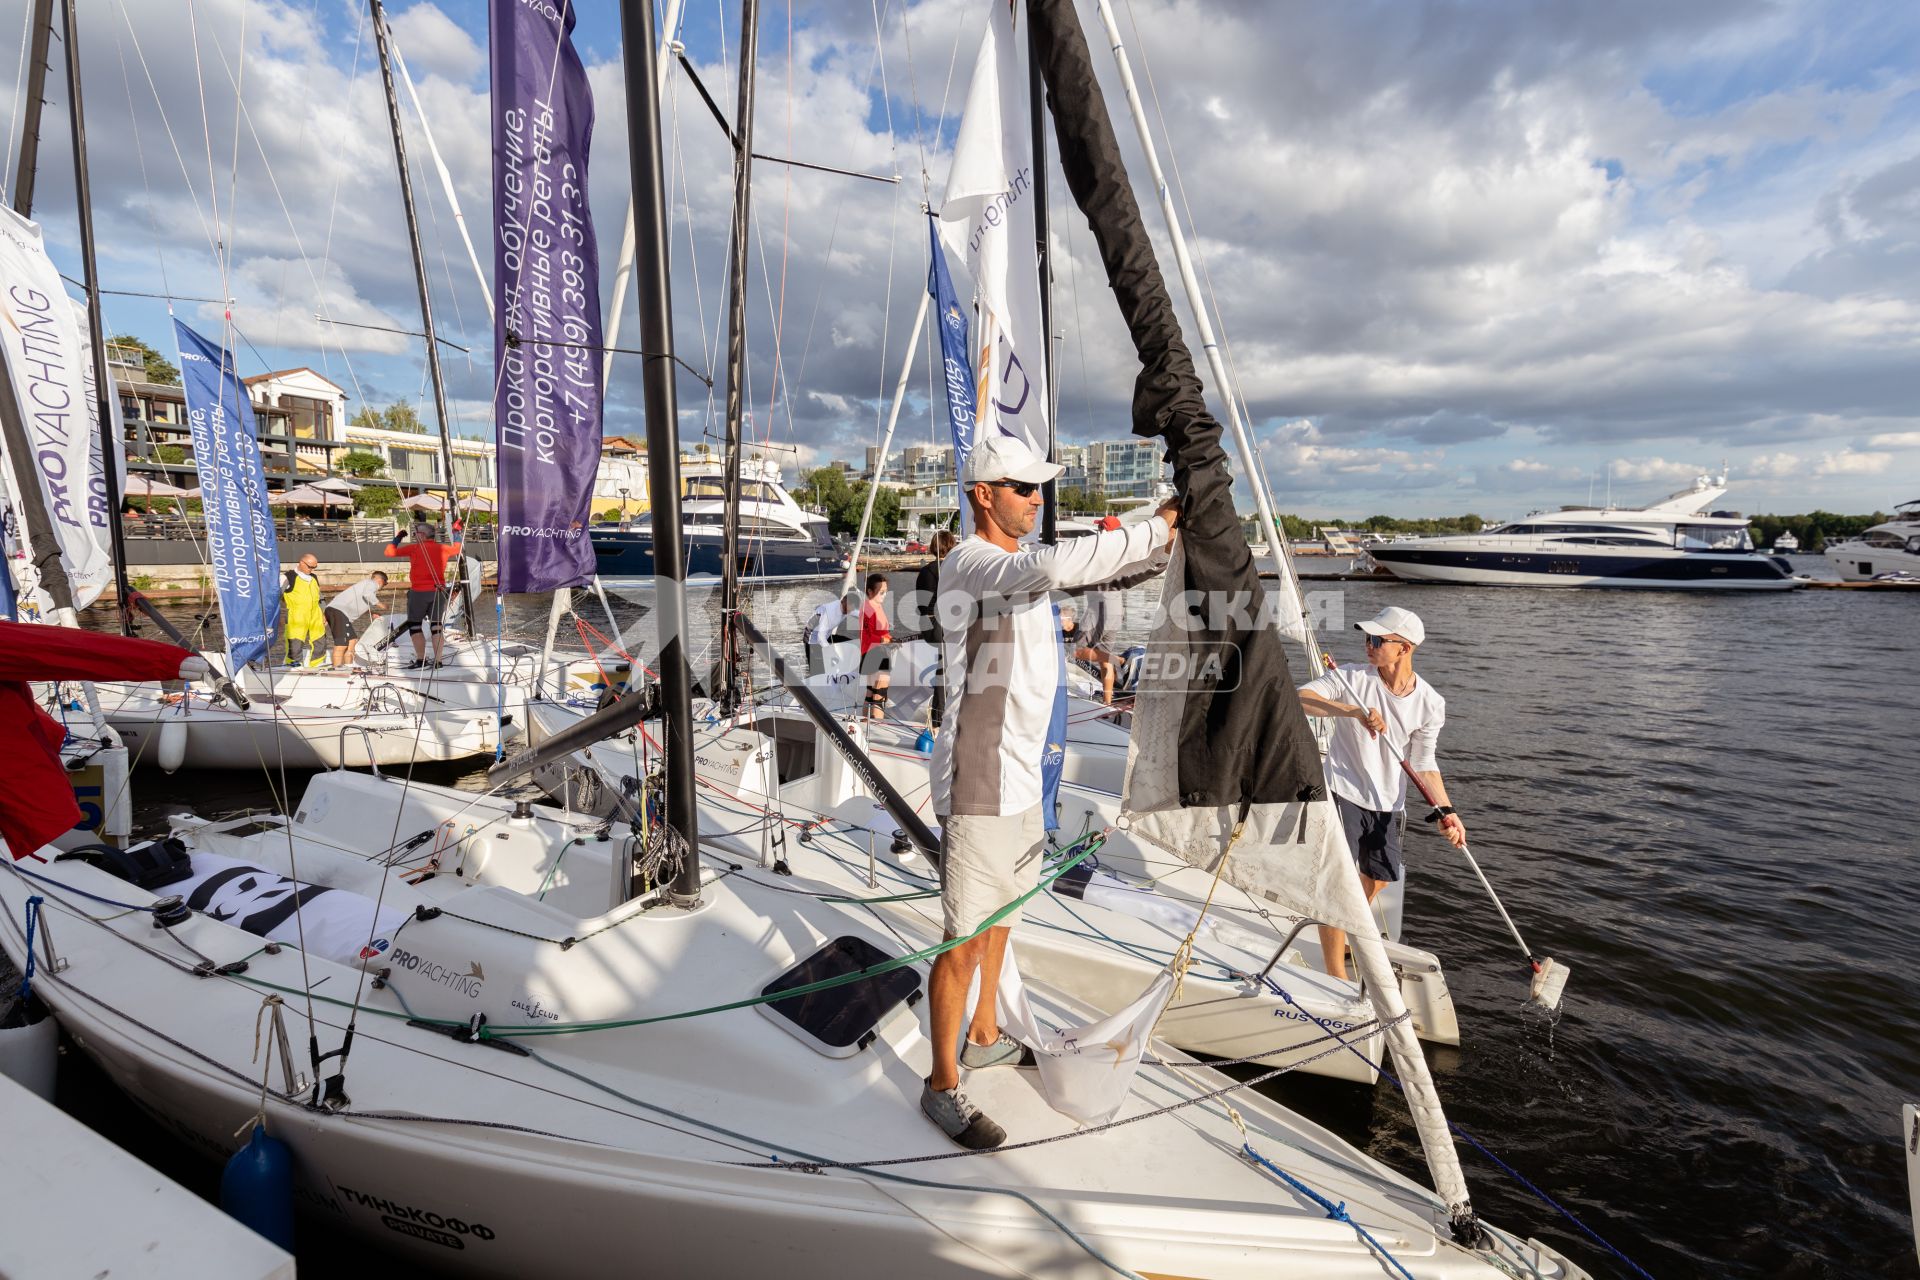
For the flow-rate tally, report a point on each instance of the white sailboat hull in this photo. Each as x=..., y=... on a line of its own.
x=660, y=1141
x=316, y=719
x=1246, y=993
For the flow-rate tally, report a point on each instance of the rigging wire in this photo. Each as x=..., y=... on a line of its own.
x=13, y=113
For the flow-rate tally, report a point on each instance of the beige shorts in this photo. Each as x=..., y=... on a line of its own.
x=985, y=863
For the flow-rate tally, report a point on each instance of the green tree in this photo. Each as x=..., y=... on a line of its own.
x=398, y=416
x=828, y=490
x=172, y=454
x=361, y=463
x=376, y=500
x=159, y=370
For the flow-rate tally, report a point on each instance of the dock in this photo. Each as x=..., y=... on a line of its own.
x=77, y=1205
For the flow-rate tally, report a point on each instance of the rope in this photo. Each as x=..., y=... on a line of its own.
x=1338, y=1212
x=824, y=984
x=1476, y=1144
x=33, y=927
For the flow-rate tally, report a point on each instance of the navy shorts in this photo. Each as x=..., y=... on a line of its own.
x=1374, y=838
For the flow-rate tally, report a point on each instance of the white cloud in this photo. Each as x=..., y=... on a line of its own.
x=1896, y=440
x=433, y=44
x=1641, y=470
x=1773, y=466
x=1852, y=462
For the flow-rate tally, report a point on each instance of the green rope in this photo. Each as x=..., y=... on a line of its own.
x=872, y=971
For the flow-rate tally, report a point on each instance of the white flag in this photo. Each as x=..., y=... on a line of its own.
x=988, y=222
x=43, y=336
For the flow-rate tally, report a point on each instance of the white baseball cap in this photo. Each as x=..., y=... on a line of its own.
x=999, y=457
x=1395, y=621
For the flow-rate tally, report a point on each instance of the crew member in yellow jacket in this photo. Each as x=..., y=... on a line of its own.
x=306, y=624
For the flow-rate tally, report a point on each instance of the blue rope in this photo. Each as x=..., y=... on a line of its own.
x=1477, y=1145
x=61, y=884
x=1338, y=1212
x=33, y=927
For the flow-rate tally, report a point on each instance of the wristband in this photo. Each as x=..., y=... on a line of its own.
x=1444, y=811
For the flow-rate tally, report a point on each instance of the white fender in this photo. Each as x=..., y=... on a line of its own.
x=170, y=738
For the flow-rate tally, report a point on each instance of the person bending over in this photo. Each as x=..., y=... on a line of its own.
x=1386, y=713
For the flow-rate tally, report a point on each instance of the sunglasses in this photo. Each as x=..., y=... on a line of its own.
x=1021, y=488
x=1376, y=642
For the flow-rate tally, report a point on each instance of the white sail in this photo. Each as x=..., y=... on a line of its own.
x=49, y=359
x=988, y=222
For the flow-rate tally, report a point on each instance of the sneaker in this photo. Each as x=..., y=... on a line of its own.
x=1004, y=1052
x=959, y=1119
x=415, y=665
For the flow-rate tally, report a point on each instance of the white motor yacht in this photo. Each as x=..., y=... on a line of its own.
x=1786, y=544
x=1677, y=543
x=1892, y=546
x=779, y=539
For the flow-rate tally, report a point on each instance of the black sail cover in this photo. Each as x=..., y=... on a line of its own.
x=1243, y=738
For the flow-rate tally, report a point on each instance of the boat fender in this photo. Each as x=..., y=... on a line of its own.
x=29, y=1045
x=256, y=1189
x=150, y=865
x=170, y=741
x=924, y=743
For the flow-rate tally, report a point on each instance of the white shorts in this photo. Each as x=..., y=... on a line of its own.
x=986, y=861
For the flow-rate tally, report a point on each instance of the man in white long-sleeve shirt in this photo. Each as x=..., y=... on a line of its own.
x=1001, y=650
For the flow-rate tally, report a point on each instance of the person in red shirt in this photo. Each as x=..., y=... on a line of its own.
x=876, y=645
x=427, y=559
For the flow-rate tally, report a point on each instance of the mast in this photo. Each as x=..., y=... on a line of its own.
x=1042, y=230
x=36, y=94
x=103, y=391
x=419, y=258
x=37, y=537
x=728, y=691
x=663, y=441
x=623, y=268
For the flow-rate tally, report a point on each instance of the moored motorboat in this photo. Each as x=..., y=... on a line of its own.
x=1892, y=546
x=1675, y=544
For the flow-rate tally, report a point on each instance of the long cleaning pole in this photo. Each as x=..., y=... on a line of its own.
x=663, y=442
x=419, y=258
x=728, y=692
x=103, y=390
x=886, y=444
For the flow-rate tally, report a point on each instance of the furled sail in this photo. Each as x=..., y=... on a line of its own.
x=1223, y=769
x=546, y=279
x=987, y=220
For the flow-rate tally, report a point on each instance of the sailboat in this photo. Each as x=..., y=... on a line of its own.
x=1261, y=984
x=544, y=1039
x=270, y=714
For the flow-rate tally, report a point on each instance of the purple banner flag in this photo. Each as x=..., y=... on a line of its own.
x=546, y=280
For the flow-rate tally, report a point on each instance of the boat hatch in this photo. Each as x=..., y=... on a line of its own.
x=794, y=752
x=841, y=1021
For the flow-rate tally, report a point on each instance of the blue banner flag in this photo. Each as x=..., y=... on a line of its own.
x=955, y=362
x=241, y=548
x=546, y=278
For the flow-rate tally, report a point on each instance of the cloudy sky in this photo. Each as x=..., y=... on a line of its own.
x=1467, y=256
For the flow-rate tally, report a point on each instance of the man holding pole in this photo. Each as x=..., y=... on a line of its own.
x=1386, y=714
x=1001, y=651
